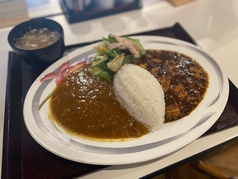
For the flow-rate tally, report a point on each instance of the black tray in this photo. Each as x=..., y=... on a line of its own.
x=25, y=158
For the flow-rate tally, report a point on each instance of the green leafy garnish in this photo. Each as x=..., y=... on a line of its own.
x=112, y=53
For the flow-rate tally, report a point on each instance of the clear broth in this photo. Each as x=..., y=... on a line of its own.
x=37, y=39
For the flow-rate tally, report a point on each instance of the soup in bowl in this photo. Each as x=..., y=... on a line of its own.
x=38, y=42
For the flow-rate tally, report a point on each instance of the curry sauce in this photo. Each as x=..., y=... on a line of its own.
x=85, y=105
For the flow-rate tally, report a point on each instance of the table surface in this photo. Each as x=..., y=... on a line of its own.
x=213, y=25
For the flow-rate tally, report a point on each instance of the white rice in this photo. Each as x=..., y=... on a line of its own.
x=141, y=94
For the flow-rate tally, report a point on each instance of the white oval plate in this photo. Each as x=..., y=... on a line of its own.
x=172, y=137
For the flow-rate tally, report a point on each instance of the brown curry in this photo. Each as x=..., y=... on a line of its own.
x=85, y=105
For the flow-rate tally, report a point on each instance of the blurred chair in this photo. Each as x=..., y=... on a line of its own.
x=221, y=163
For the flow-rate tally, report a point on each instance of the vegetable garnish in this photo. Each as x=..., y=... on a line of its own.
x=113, y=52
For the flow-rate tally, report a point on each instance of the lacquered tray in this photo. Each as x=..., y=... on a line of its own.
x=24, y=158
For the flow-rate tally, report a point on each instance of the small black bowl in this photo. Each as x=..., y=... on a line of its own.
x=42, y=57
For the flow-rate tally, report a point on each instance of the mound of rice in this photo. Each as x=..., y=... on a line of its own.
x=141, y=94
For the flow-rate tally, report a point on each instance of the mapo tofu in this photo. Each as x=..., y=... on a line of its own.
x=183, y=80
